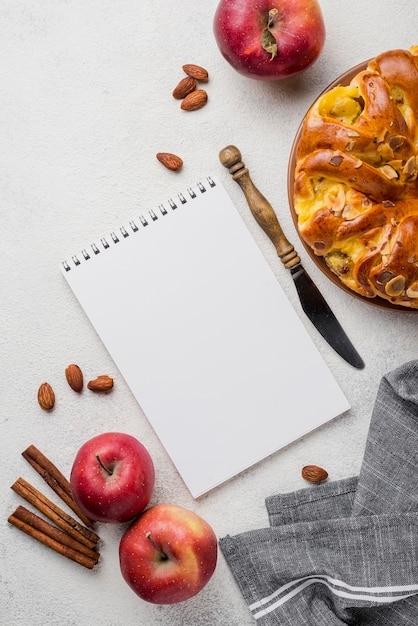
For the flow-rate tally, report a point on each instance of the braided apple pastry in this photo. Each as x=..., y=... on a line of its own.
x=356, y=184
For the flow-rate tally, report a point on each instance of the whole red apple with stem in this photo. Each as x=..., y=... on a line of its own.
x=269, y=39
x=168, y=554
x=112, y=477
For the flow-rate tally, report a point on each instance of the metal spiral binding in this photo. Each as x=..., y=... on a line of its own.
x=134, y=225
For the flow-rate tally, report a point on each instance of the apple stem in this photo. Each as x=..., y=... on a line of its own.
x=271, y=17
x=154, y=545
x=268, y=41
x=106, y=469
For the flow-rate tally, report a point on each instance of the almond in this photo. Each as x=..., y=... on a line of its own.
x=195, y=71
x=101, y=383
x=46, y=397
x=314, y=474
x=185, y=86
x=74, y=377
x=195, y=100
x=170, y=161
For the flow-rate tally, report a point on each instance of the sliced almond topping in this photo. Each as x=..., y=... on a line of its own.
x=335, y=203
x=352, y=133
x=412, y=291
x=409, y=116
x=395, y=286
x=381, y=136
x=385, y=277
x=388, y=171
x=410, y=166
x=350, y=212
x=353, y=196
x=339, y=201
x=385, y=151
x=358, y=164
x=329, y=200
x=396, y=163
x=396, y=142
x=336, y=160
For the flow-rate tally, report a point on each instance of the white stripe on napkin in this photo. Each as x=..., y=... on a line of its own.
x=394, y=592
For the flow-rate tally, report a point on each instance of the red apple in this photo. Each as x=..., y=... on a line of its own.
x=168, y=554
x=112, y=477
x=269, y=39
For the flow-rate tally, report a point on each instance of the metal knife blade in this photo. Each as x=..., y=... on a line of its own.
x=312, y=301
x=322, y=317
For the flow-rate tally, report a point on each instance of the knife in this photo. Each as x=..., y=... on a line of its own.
x=311, y=299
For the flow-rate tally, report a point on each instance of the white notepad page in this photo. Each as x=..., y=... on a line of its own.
x=204, y=336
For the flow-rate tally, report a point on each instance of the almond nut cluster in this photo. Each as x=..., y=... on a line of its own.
x=75, y=379
x=192, y=99
x=187, y=91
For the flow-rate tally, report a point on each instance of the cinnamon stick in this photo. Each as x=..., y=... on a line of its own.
x=55, y=513
x=55, y=479
x=40, y=530
x=28, y=517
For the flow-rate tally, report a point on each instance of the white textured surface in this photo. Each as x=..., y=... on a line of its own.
x=85, y=105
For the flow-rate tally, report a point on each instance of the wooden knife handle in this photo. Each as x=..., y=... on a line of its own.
x=261, y=209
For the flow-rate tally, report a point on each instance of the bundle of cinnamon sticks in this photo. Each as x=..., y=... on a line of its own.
x=74, y=540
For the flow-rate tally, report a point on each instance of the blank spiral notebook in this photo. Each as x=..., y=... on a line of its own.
x=200, y=329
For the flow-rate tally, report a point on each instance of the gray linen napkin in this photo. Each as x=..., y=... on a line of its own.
x=344, y=552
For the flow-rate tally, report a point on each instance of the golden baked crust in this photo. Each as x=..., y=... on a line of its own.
x=356, y=184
